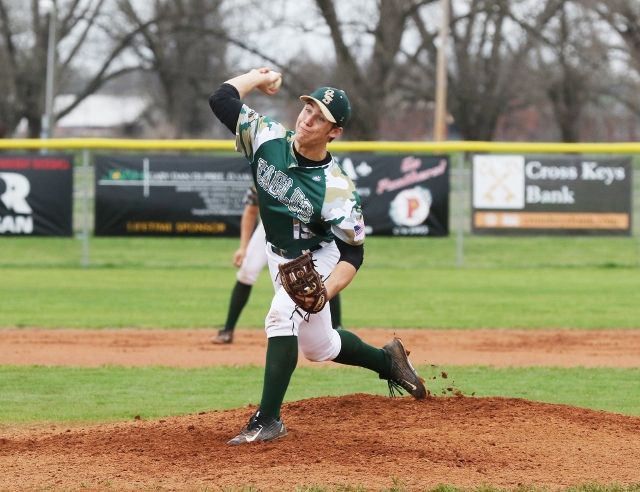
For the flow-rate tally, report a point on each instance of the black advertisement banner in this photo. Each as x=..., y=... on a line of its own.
x=36, y=195
x=551, y=195
x=169, y=195
x=401, y=195
x=196, y=196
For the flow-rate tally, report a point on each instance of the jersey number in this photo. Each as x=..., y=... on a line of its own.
x=300, y=230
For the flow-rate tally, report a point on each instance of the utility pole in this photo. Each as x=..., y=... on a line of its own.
x=47, y=118
x=440, y=120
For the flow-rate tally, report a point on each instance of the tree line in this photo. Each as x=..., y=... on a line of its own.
x=572, y=66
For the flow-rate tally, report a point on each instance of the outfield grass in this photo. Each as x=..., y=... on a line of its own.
x=64, y=394
x=405, y=282
x=532, y=283
x=380, y=252
x=583, y=298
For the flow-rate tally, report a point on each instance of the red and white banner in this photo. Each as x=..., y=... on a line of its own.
x=36, y=195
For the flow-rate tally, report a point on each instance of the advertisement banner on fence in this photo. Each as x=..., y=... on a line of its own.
x=36, y=195
x=180, y=195
x=169, y=195
x=551, y=195
x=401, y=195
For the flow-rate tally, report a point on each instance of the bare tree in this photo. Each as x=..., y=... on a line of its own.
x=366, y=45
x=23, y=50
x=569, y=64
x=370, y=80
x=185, y=48
x=566, y=86
x=505, y=56
x=488, y=71
x=623, y=16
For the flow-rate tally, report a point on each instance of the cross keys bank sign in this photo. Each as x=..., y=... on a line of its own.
x=560, y=194
x=35, y=196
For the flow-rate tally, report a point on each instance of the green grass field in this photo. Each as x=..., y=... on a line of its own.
x=532, y=283
x=176, y=283
x=379, y=297
x=63, y=394
x=380, y=252
x=577, y=283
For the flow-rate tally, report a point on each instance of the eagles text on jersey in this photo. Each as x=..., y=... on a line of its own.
x=301, y=207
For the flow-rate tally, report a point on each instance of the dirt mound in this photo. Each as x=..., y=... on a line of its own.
x=357, y=440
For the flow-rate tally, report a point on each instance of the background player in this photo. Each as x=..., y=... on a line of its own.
x=251, y=258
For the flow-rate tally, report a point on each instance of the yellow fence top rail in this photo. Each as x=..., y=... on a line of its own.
x=344, y=146
x=115, y=143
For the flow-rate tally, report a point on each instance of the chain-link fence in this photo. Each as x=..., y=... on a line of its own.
x=461, y=248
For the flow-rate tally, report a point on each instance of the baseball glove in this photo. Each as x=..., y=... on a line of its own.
x=303, y=283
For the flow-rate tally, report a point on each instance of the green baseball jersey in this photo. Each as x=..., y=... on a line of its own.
x=301, y=207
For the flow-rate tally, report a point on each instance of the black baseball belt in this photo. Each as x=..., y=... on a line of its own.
x=289, y=256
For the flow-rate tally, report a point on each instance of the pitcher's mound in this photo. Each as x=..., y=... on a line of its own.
x=365, y=441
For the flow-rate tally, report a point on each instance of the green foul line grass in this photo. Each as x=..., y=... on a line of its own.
x=62, y=394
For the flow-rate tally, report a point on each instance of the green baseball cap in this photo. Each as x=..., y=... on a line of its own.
x=333, y=103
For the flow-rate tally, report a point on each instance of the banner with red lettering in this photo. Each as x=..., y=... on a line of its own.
x=36, y=195
x=402, y=195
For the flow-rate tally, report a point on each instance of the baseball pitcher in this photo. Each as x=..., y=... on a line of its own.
x=314, y=241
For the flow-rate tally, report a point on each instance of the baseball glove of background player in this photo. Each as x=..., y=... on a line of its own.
x=303, y=283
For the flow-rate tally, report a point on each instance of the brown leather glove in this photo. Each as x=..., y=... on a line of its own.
x=303, y=283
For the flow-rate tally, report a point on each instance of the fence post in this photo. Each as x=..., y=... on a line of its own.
x=86, y=158
x=460, y=207
x=635, y=209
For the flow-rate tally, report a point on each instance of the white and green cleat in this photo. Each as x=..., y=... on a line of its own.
x=260, y=429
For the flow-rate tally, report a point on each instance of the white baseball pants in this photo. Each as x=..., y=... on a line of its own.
x=317, y=340
x=255, y=259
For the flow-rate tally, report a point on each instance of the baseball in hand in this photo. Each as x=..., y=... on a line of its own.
x=271, y=81
x=275, y=85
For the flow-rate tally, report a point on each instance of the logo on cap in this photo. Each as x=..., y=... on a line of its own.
x=328, y=96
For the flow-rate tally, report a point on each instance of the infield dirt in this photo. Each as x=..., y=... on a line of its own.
x=358, y=440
